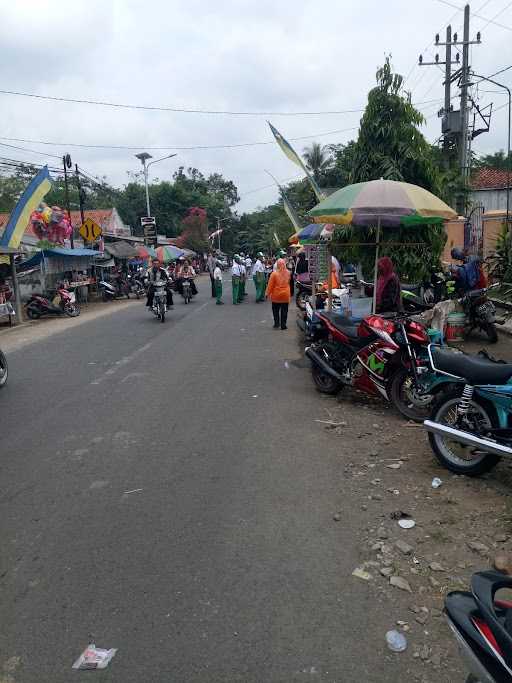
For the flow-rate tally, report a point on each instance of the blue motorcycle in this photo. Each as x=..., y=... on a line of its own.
x=470, y=427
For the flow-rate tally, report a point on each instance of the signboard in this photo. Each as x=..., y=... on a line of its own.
x=149, y=227
x=317, y=260
x=90, y=230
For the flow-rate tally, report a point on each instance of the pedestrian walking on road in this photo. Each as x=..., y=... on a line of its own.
x=258, y=271
x=241, y=289
x=278, y=291
x=217, y=276
x=211, y=263
x=235, y=279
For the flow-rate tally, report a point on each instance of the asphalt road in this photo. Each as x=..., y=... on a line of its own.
x=163, y=491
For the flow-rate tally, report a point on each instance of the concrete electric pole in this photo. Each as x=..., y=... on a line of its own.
x=455, y=124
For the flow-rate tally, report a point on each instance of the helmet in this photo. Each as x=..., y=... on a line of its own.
x=259, y=254
x=457, y=254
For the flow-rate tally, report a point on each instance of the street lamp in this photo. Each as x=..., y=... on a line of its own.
x=509, y=162
x=219, y=221
x=144, y=156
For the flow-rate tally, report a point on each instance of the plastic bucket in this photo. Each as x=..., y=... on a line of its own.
x=455, y=324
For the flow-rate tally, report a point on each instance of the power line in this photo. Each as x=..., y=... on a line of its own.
x=183, y=148
x=475, y=14
x=119, y=105
x=32, y=151
x=490, y=21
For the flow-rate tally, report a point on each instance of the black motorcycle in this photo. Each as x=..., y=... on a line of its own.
x=480, y=313
x=482, y=626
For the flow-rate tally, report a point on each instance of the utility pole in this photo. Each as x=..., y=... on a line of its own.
x=66, y=163
x=448, y=117
x=455, y=124
x=463, y=150
x=81, y=193
x=447, y=92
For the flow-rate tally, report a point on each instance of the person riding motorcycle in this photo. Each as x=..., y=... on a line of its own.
x=470, y=274
x=156, y=274
x=186, y=272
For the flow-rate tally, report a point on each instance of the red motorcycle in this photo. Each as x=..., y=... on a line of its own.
x=379, y=356
x=64, y=303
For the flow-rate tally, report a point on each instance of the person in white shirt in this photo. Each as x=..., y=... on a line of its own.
x=217, y=276
x=235, y=279
x=258, y=275
x=248, y=265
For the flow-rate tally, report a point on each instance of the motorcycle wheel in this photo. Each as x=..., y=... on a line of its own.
x=325, y=384
x=453, y=455
x=33, y=313
x=72, y=310
x=4, y=370
x=161, y=314
x=491, y=331
x=104, y=295
x=406, y=400
x=300, y=300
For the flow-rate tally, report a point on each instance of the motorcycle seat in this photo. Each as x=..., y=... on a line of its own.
x=475, y=370
x=347, y=327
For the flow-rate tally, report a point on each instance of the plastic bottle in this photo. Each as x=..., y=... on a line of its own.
x=396, y=641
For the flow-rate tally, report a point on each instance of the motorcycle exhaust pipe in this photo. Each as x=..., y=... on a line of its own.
x=467, y=438
x=318, y=360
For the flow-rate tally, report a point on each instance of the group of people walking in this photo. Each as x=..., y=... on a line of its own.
x=272, y=280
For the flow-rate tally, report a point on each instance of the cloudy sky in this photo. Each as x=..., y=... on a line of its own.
x=259, y=56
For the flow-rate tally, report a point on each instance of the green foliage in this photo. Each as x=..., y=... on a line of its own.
x=318, y=159
x=390, y=144
x=500, y=263
x=418, y=253
x=497, y=160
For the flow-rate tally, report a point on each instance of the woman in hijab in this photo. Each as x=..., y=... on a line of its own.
x=278, y=291
x=388, y=297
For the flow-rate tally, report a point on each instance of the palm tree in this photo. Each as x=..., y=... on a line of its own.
x=317, y=159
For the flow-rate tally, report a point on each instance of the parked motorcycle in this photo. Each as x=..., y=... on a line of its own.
x=111, y=291
x=470, y=427
x=482, y=626
x=64, y=303
x=480, y=312
x=379, y=357
x=303, y=292
x=4, y=369
x=159, y=306
x=136, y=286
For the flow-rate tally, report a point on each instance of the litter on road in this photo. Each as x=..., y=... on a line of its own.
x=396, y=641
x=126, y=493
x=406, y=523
x=94, y=658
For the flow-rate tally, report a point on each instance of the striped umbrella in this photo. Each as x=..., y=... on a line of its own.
x=168, y=253
x=386, y=202
x=146, y=252
x=314, y=231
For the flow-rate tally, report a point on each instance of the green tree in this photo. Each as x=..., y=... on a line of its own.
x=390, y=144
x=497, y=160
x=317, y=159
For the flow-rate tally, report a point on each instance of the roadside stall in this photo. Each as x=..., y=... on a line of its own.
x=382, y=204
x=72, y=267
x=10, y=306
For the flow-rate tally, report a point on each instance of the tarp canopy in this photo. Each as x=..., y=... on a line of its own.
x=122, y=249
x=57, y=253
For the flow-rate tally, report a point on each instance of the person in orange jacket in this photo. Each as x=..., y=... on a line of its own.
x=278, y=291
